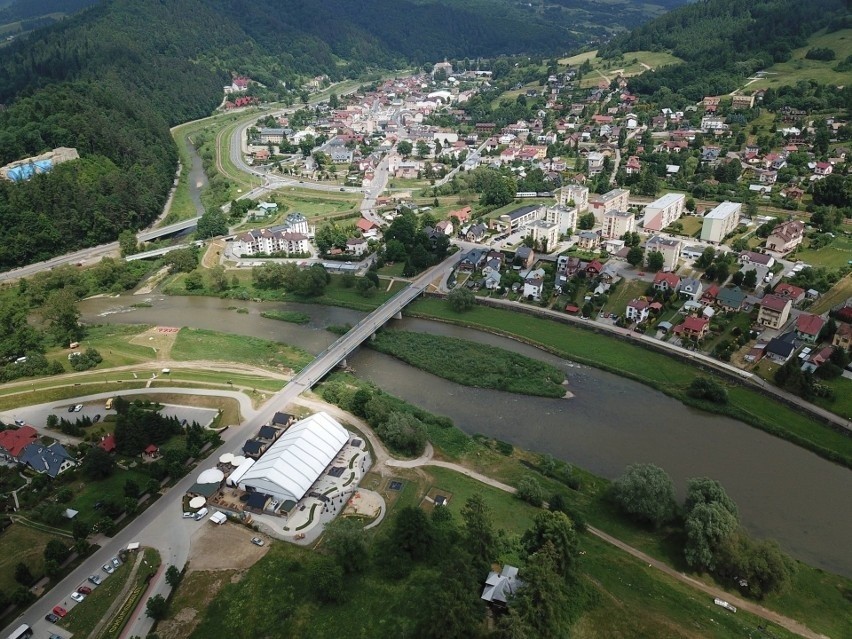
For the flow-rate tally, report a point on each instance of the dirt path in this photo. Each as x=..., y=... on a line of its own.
x=383, y=459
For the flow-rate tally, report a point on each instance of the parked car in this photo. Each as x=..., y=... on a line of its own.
x=108, y=569
x=55, y=637
x=59, y=611
x=188, y=515
x=94, y=579
x=52, y=618
x=78, y=597
x=257, y=541
x=116, y=562
x=96, y=418
x=84, y=590
x=70, y=409
x=19, y=422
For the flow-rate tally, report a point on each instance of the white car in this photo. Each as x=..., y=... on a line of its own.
x=78, y=596
x=78, y=408
x=108, y=569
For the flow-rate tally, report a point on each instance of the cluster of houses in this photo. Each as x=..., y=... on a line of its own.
x=23, y=446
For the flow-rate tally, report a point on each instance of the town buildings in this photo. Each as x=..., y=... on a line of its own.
x=720, y=221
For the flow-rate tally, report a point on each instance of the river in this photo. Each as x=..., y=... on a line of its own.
x=783, y=491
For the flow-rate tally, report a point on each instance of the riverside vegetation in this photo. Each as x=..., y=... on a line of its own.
x=472, y=364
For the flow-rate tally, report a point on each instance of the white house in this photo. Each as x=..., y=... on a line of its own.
x=637, y=310
x=720, y=221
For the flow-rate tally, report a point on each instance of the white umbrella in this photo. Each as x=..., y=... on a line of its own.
x=226, y=458
x=196, y=502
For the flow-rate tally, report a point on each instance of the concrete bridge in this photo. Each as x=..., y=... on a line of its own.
x=363, y=330
x=171, y=229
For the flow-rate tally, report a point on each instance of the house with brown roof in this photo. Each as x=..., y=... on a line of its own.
x=665, y=282
x=843, y=336
x=774, y=311
x=786, y=237
x=808, y=327
x=637, y=310
x=693, y=328
x=107, y=443
x=708, y=297
x=788, y=291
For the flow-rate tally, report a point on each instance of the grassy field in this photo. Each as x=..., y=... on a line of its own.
x=196, y=344
x=691, y=226
x=837, y=294
x=83, y=617
x=294, y=317
x=834, y=256
x=112, y=341
x=311, y=204
x=472, y=364
x=660, y=371
x=21, y=543
x=842, y=403
x=626, y=291
x=43, y=394
x=88, y=493
x=799, y=68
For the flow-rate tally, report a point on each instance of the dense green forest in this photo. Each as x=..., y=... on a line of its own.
x=725, y=41
x=110, y=81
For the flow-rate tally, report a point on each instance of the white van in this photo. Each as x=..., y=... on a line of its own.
x=201, y=514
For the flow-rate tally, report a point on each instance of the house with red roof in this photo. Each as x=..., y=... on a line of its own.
x=693, y=328
x=708, y=297
x=665, y=282
x=107, y=443
x=152, y=451
x=808, y=327
x=367, y=228
x=14, y=440
x=793, y=293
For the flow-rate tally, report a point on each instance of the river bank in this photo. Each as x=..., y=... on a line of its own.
x=660, y=371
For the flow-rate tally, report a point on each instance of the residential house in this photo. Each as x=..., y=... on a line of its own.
x=254, y=448
x=843, y=336
x=473, y=260
x=474, y=232
x=445, y=227
x=272, y=135
x=666, y=282
x=752, y=257
x=594, y=268
x=739, y=102
x=731, y=298
x=596, y=162
x=565, y=218
x=576, y=196
x=694, y=328
x=356, y=246
x=788, y=291
x=501, y=587
x=774, y=311
x=823, y=169
x=613, y=246
x=50, y=460
x=589, y=240
x=779, y=350
x=14, y=440
x=533, y=287
x=637, y=310
x=614, y=200
x=520, y=217
x=151, y=452
x=368, y=229
x=462, y=215
x=283, y=420
x=609, y=272
x=270, y=241
x=107, y=443
x=690, y=288
x=815, y=360
x=786, y=237
x=617, y=223
x=633, y=166
x=721, y=221
x=708, y=297
x=670, y=249
x=664, y=211
x=808, y=327
x=546, y=234
x=524, y=257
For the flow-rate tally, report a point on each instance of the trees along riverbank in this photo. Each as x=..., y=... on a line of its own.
x=662, y=372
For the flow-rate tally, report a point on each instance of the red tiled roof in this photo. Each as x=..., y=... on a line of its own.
x=364, y=224
x=639, y=304
x=16, y=439
x=788, y=290
x=108, y=443
x=809, y=324
x=151, y=449
x=694, y=324
x=774, y=302
x=670, y=278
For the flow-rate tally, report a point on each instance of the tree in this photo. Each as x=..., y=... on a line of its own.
x=157, y=608
x=456, y=594
x=586, y=221
x=404, y=148
x=708, y=526
x=703, y=490
x=55, y=550
x=173, y=576
x=478, y=529
x=709, y=389
x=131, y=489
x=127, y=242
x=750, y=279
x=635, y=256
x=98, y=464
x=182, y=260
x=23, y=574
x=645, y=492
x=412, y=532
x=656, y=261
x=461, y=299
x=326, y=579
x=80, y=528
x=530, y=491
x=555, y=528
x=542, y=606
x=422, y=149
x=498, y=191
x=211, y=224
x=218, y=278
x=61, y=312
x=347, y=541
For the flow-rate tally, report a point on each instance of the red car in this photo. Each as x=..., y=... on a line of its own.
x=84, y=590
x=60, y=611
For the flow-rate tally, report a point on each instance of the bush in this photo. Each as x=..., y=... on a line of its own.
x=530, y=491
x=645, y=492
x=709, y=389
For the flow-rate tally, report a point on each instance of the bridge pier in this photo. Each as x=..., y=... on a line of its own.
x=398, y=315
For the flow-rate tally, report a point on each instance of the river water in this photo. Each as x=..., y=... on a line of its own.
x=783, y=492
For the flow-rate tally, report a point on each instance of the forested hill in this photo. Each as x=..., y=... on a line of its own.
x=724, y=41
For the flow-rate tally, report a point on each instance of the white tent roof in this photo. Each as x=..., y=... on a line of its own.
x=211, y=476
x=237, y=461
x=196, y=502
x=226, y=458
x=294, y=462
x=235, y=477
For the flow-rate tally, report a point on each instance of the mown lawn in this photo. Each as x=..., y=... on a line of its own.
x=625, y=292
x=834, y=256
x=836, y=295
x=196, y=344
x=88, y=493
x=472, y=364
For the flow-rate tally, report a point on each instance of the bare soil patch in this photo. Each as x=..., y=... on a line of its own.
x=225, y=547
x=160, y=338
